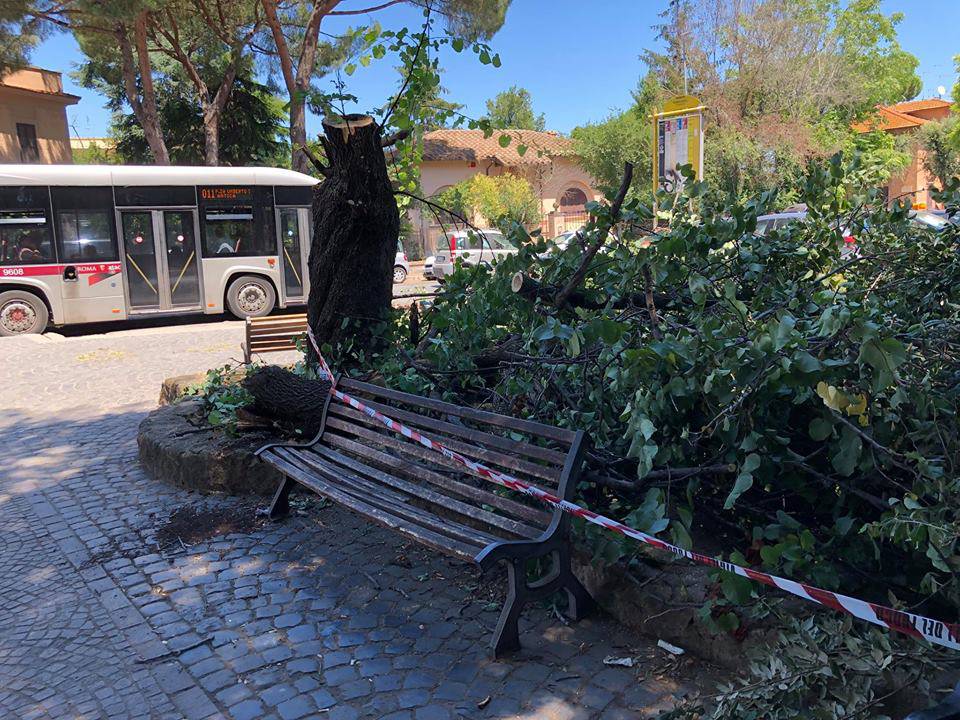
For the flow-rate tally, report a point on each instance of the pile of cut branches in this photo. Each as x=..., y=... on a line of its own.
x=789, y=398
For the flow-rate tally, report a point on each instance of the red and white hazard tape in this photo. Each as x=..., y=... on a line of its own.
x=936, y=631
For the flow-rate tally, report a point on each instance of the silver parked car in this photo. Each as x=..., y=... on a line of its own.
x=480, y=247
x=401, y=267
x=428, y=267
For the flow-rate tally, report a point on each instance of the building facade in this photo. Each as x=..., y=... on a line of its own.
x=903, y=119
x=549, y=165
x=33, y=117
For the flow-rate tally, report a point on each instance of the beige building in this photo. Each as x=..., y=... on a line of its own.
x=549, y=164
x=903, y=119
x=33, y=117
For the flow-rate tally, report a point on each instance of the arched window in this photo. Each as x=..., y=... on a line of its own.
x=573, y=200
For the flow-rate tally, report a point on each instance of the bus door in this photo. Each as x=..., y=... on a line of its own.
x=293, y=227
x=161, y=260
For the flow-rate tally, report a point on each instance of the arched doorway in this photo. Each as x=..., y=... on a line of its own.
x=573, y=200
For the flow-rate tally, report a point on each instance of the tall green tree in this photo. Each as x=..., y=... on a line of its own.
x=626, y=136
x=782, y=79
x=513, y=108
x=303, y=57
x=114, y=37
x=209, y=40
x=251, y=128
x=19, y=32
x=941, y=156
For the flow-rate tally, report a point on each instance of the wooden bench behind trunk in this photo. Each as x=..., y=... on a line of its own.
x=274, y=333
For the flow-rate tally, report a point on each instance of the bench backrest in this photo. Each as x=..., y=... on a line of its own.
x=542, y=455
x=273, y=334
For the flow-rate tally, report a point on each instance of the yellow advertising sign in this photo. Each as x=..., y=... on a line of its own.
x=678, y=140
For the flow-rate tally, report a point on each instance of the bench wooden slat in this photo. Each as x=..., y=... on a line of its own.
x=416, y=532
x=274, y=342
x=389, y=500
x=407, y=447
x=431, y=496
x=255, y=349
x=424, y=422
x=528, y=426
x=268, y=337
x=278, y=319
x=285, y=329
x=507, y=505
x=507, y=463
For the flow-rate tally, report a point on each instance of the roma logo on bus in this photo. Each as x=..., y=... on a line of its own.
x=104, y=272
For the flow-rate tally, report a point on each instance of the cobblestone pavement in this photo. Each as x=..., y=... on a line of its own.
x=106, y=613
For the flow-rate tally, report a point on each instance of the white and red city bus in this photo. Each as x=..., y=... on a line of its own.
x=90, y=243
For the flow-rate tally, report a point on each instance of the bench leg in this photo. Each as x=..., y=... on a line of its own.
x=506, y=638
x=579, y=602
x=280, y=507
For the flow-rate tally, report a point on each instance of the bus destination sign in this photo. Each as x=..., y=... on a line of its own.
x=218, y=194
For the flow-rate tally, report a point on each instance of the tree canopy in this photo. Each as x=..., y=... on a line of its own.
x=782, y=79
x=513, y=108
x=499, y=199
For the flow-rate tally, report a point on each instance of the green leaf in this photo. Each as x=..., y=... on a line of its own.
x=496, y=60
x=522, y=150
x=504, y=140
x=728, y=622
x=350, y=68
x=484, y=57
x=884, y=355
x=680, y=536
x=365, y=60
x=751, y=463
x=647, y=428
x=736, y=589
x=744, y=482
x=820, y=429
x=805, y=362
x=457, y=44
x=784, y=331
x=847, y=453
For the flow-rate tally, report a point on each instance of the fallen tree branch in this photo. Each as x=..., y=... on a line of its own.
x=602, y=231
x=531, y=289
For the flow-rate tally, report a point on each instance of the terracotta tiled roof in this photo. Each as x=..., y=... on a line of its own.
x=472, y=146
x=889, y=119
x=900, y=116
x=914, y=105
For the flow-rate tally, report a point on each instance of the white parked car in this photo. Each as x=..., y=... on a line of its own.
x=480, y=247
x=401, y=267
x=428, y=267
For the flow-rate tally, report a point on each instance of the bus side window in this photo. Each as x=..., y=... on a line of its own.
x=25, y=238
x=85, y=236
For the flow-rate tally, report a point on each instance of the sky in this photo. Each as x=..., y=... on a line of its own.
x=579, y=60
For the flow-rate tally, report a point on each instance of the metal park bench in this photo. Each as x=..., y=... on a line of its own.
x=275, y=333
x=427, y=498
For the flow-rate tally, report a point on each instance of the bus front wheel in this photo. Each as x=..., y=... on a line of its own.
x=251, y=296
x=22, y=313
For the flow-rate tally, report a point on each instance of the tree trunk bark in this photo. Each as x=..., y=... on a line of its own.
x=211, y=138
x=298, y=135
x=356, y=226
x=145, y=111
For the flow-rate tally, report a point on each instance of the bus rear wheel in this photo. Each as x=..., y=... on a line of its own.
x=22, y=313
x=251, y=296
